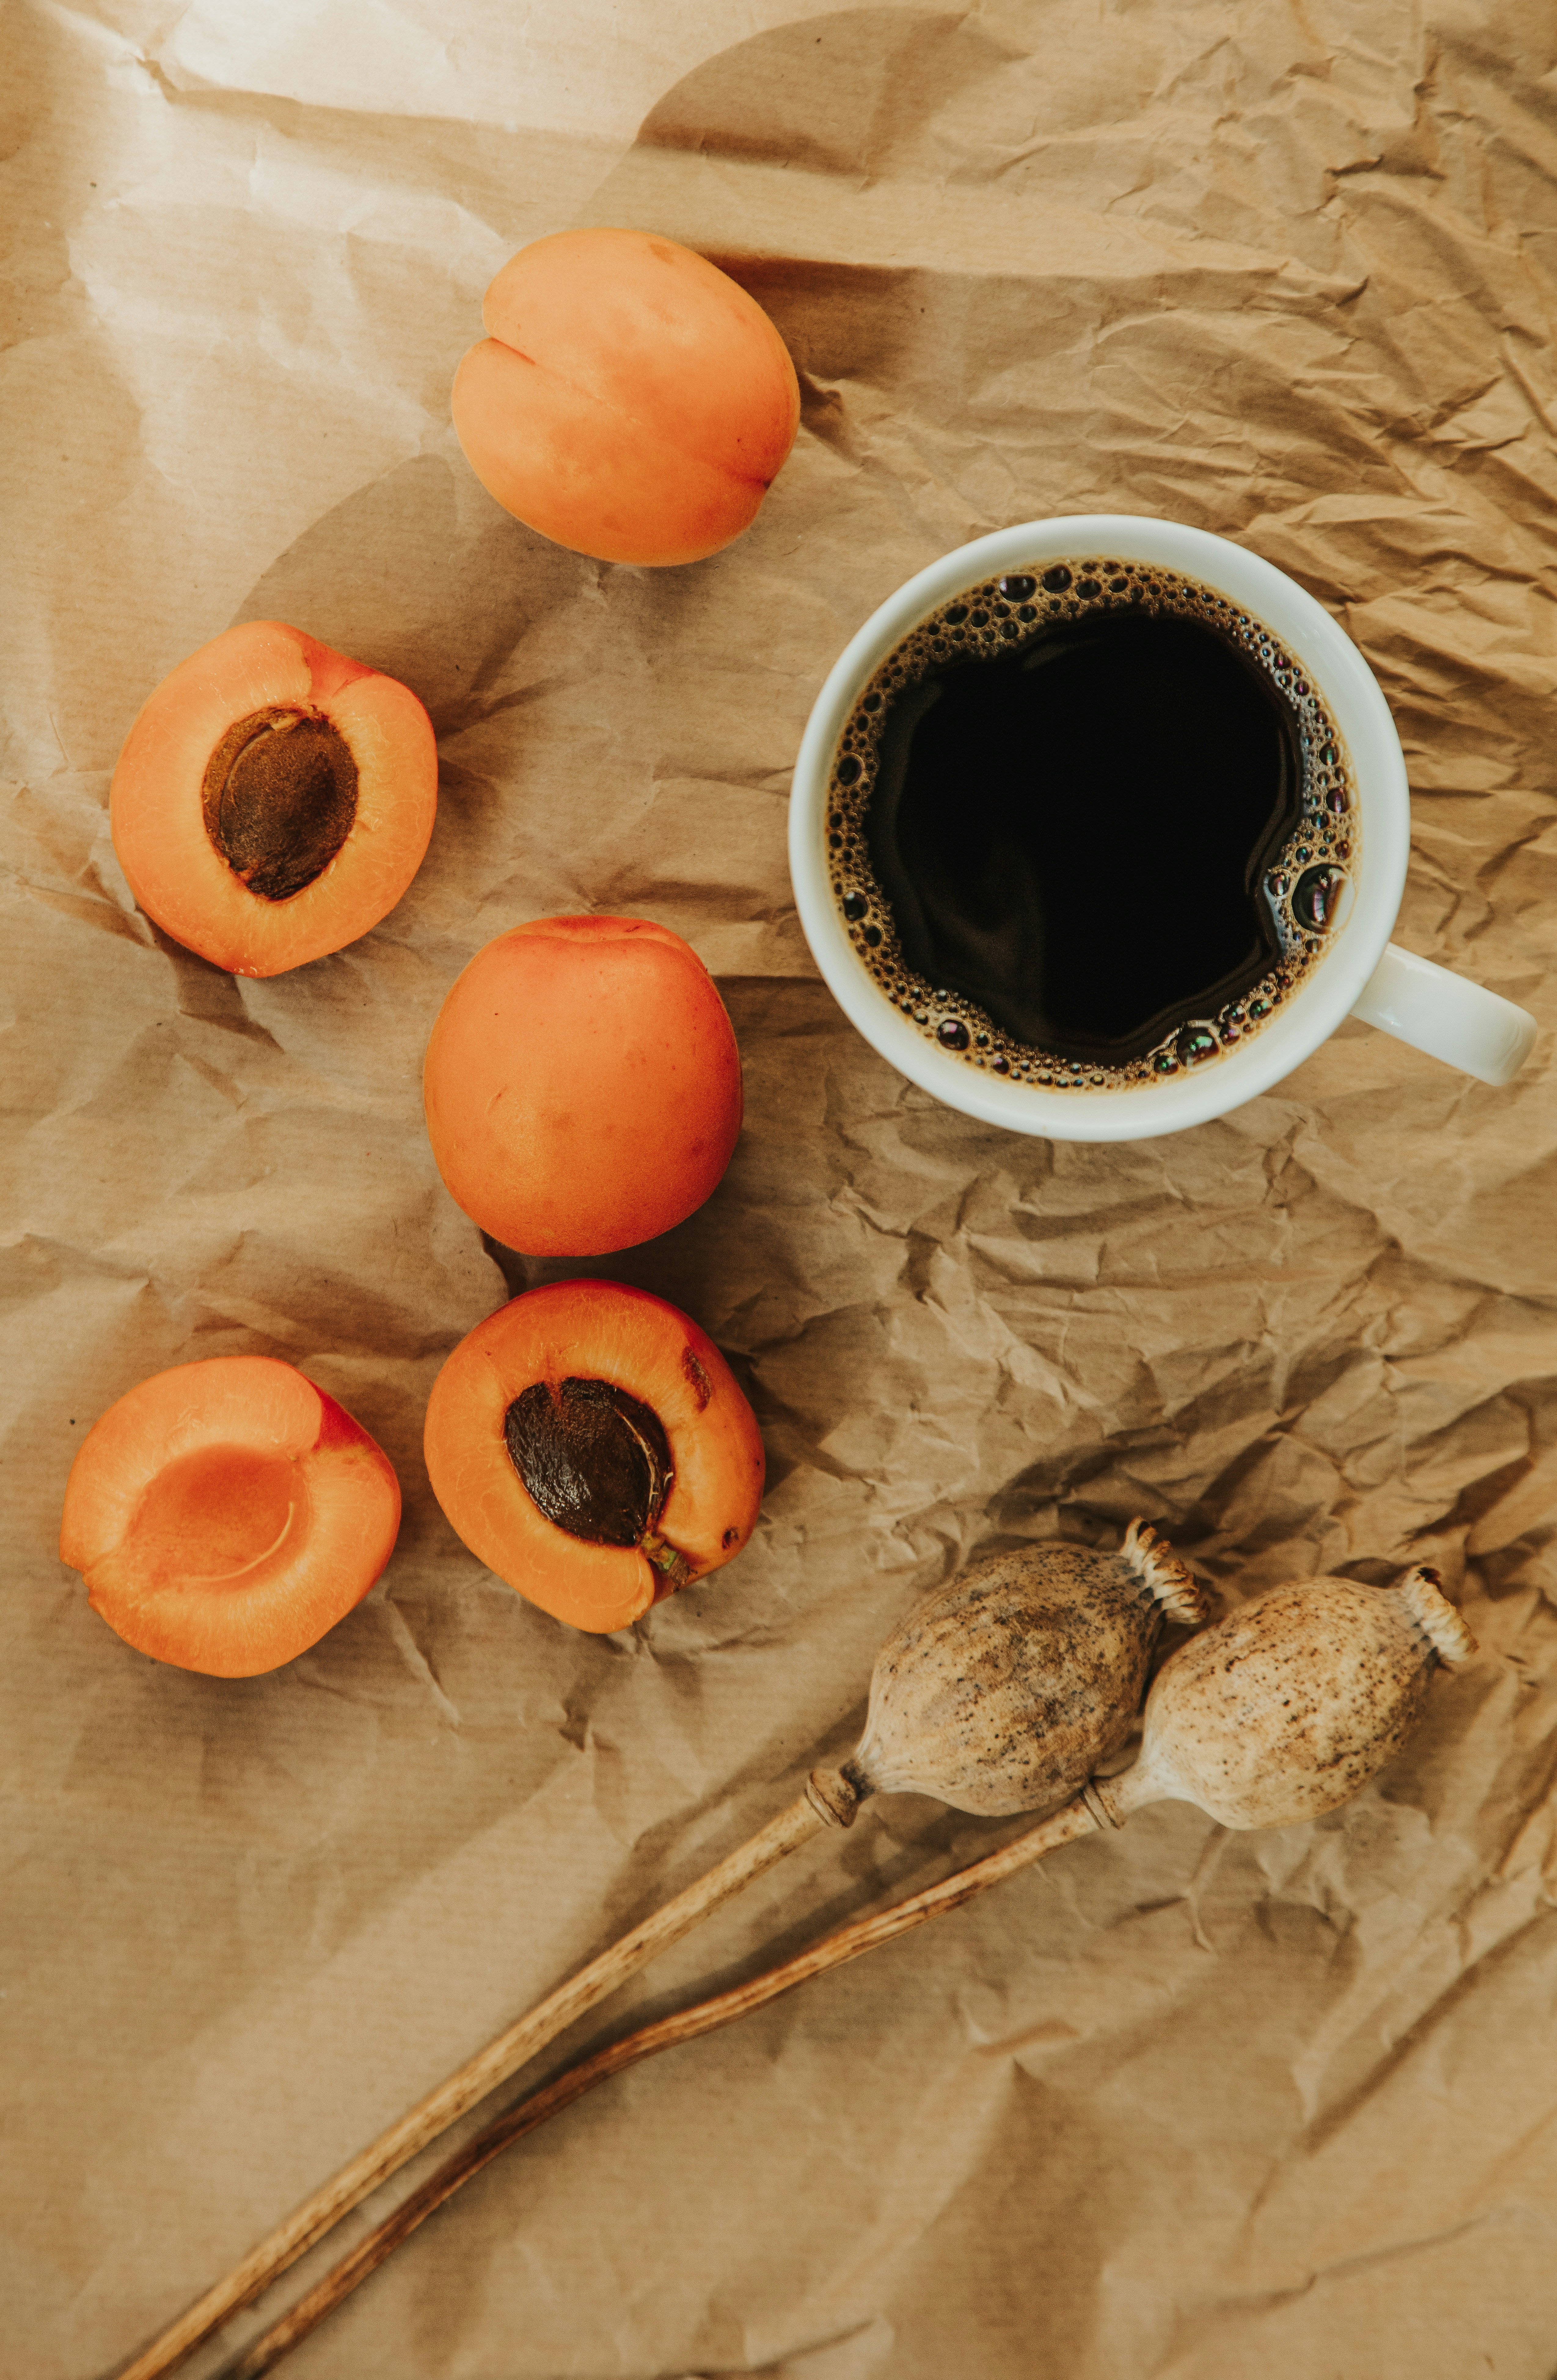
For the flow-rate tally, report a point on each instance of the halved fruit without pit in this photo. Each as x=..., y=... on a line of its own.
x=225, y=1515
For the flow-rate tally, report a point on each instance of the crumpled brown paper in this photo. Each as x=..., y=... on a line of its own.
x=1179, y=2104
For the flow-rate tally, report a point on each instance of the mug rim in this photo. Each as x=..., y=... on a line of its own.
x=1356, y=704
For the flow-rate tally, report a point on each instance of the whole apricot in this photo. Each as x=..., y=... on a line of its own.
x=273, y=799
x=225, y=1515
x=590, y=1445
x=631, y=401
x=583, y=1085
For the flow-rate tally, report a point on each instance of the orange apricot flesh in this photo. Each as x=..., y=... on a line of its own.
x=582, y=1085
x=603, y=1338
x=273, y=799
x=225, y=1515
x=631, y=401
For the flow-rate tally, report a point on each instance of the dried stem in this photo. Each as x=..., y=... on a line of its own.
x=706, y=2016
x=423, y=2123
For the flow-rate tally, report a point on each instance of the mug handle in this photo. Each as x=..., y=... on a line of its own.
x=1447, y=1015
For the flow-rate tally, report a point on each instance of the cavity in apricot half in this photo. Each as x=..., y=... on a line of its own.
x=274, y=800
x=225, y=1515
x=583, y=1085
x=590, y=1445
x=631, y=400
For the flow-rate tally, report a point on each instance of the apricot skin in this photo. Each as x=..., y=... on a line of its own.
x=593, y=1330
x=225, y=1515
x=155, y=812
x=583, y=1085
x=631, y=401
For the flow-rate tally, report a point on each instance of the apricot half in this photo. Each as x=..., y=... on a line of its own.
x=583, y=1085
x=590, y=1445
x=225, y=1515
x=273, y=799
x=631, y=400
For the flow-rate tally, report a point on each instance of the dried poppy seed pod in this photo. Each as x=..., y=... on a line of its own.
x=1285, y=1710
x=1004, y=1690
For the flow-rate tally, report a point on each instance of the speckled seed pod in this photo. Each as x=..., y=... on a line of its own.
x=1004, y=1690
x=1287, y=1708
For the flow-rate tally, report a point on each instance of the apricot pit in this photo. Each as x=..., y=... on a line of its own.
x=590, y=1445
x=278, y=799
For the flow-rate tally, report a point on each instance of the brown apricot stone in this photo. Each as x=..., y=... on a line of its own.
x=278, y=797
x=630, y=401
x=273, y=799
x=595, y=1460
x=225, y=1515
x=590, y=1445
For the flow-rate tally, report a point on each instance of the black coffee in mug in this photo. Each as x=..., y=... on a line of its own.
x=1090, y=824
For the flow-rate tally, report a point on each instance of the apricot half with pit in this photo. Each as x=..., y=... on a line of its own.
x=225, y=1515
x=590, y=1445
x=631, y=401
x=273, y=799
x=583, y=1085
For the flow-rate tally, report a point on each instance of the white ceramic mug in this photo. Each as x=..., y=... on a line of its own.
x=1361, y=974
